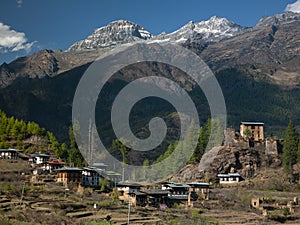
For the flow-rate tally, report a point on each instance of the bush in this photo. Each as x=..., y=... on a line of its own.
x=4, y=221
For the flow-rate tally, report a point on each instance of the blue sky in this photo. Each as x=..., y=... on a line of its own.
x=27, y=26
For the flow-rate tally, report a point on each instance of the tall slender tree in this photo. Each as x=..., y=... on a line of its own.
x=290, y=147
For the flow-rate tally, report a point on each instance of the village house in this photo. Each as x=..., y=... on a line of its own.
x=101, y=166
x=48, y=167
x=199, y=189
x=151, y=197
x=168, y=195
x=112, y=176
x=9, y=153
x=178, y=193
x=91, y=177
x=138, y=198
x=39, y=158
x=68, y=175
x=256, y=129
x=127, y=192
x=156, y=198
x=229, y=178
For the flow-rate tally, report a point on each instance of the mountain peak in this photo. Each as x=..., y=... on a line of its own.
x=211, y=30
x=116, y=32
x=217, y=28
x=124, y=31
x=278, y=19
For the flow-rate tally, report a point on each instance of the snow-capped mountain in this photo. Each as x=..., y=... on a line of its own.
x=118, y=32
x=210, y=30
x=121, y=31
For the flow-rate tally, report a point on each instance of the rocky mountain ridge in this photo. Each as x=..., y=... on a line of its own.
x=41, y=87
x=122, y=31
x=270, y=50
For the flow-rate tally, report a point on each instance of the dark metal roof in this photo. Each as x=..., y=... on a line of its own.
x=125, y=184
x=69, y=169
x=156, y=192
x=177, y=185
x=178, y=197
x=137, y=193
x=39, y=155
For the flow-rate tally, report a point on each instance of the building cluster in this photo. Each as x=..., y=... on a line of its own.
x=166, y=195
x=268, y=205
x=43, y=164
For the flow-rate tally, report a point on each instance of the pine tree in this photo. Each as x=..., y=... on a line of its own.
x=75, y=156
x=298, y=152
x=290, y=147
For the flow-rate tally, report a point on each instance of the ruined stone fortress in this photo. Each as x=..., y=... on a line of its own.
x=242, y=139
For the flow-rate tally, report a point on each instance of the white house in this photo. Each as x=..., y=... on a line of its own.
x=91, y=177
x=9, y=153
x=229, y=178
x=39, y=158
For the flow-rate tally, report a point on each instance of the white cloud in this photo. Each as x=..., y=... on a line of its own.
x=19, y=3
x=294, y=7
x=11, y=40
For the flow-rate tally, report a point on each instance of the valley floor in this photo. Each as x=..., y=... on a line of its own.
x=23, y=203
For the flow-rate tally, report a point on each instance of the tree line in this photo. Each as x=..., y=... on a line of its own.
x=30, y=137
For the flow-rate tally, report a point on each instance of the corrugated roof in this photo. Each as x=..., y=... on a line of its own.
x=54, y=163
x=177, y=185
x=137, y=193
x=125, y=184
x=198, y=184
x=252, y=123
x=69, y=169
x=99, y=164
x=10, y=150
x=39, y=155
x=112, y=173
x=229, y=175
x=178, y=197
x=156, y=192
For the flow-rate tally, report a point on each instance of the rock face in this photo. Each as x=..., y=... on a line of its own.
x=238, y=157
x=45, y=63
x=226, y=160
x=271, y=50
x=278, y=19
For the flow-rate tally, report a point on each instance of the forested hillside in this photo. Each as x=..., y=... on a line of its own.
x=31, y=138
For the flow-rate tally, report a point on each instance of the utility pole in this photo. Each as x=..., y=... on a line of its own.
x=123, y=173
x=89, y=155
x=22, y=193
x=128, y=211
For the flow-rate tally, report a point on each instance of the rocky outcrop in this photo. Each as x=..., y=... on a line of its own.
x=224, y=159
